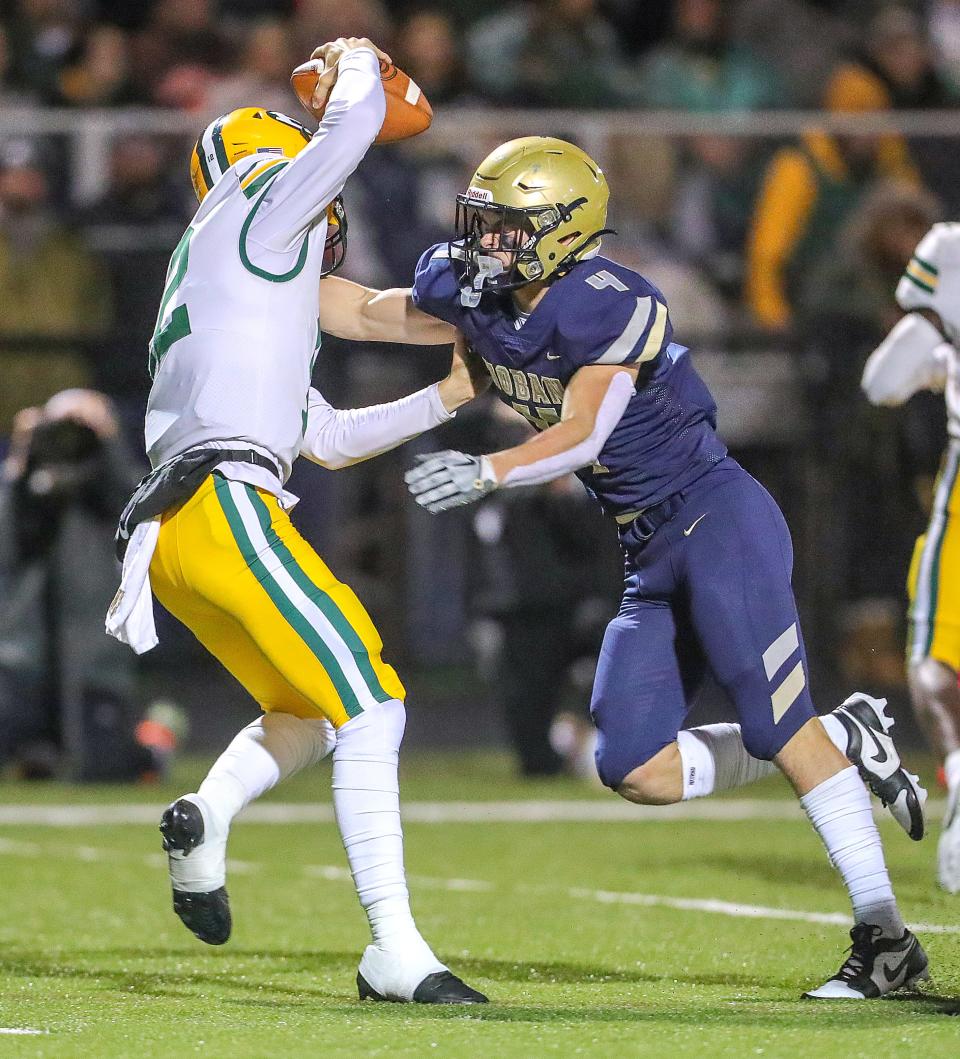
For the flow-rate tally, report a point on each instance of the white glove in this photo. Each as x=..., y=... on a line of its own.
x=449, y=479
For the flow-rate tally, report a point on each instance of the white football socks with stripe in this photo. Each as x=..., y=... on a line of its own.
x=839, y=809
x=714, y=758
x=366, y=798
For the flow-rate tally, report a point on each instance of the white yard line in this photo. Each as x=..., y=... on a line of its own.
x=20, y=1031
x=339, y=873
x=523, y=812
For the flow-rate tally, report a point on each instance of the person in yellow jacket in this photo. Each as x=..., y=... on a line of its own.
x=809, y=189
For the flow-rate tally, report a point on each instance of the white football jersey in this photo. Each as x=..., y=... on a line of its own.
x=237, y=330
x=931, y=280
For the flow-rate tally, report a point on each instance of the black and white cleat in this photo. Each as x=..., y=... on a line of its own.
x=441, y=987
x=196, y=872
x=876, y=966
x=871, y=748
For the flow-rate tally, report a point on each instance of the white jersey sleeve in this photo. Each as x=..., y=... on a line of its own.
x=931, y=279
x=911, y=358
x=299, y=196
x=336, y=438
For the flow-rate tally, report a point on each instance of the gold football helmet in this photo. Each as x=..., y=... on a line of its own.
x=540, y=200
x=253, y=130
x=249, y=130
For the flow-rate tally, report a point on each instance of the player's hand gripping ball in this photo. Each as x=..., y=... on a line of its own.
x=408, y=112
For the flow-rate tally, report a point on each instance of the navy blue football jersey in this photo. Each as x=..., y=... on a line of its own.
x=598, y=313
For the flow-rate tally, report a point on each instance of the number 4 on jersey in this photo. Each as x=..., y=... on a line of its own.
x=174, y=325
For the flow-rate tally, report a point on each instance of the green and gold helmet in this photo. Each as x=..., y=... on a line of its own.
x=539, y=200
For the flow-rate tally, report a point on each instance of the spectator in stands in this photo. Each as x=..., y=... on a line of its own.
x=808, y=191
x=262, y=75
x=319, y=20
x=547, y=53
x=51, y=287
x=43, y=35
x=65, y=687
x=100, y=76
x=897, y=70
x=715, y=189
x=943, y=28
x=427, y=49
x=871, y=458
x=9, y=94
x=698, y=68
x=182, y=52
x=800, y=39
x=132, y=230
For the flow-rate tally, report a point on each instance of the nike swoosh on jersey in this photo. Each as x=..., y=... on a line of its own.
x=553, y=356
x=693, y=525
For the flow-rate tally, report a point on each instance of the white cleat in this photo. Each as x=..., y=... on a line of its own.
x=868, y=724
x=876, y=966
x=196, y=851
x=948, y=848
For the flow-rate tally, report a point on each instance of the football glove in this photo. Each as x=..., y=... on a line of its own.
x=449, y=478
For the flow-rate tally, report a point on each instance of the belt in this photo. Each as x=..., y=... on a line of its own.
x=646, y=522
x=175, y=481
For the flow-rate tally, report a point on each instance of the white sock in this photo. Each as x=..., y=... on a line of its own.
x=839, y=809
x=366, y=798
x=714, y=759
x=269, y=749
x=836, y=731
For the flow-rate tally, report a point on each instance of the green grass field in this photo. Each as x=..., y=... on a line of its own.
x=576, y=928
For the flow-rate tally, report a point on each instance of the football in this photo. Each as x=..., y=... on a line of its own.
x=408, y=111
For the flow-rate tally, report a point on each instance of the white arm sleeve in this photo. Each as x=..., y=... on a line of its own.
x=931, y=279
x=336, y=438
x=912, y=357
x=612, y=407
x=299, y=196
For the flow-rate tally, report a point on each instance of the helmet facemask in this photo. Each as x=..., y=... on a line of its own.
x=529, y=238
x=335, y=245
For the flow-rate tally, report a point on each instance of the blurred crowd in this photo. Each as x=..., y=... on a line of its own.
x=790, y=244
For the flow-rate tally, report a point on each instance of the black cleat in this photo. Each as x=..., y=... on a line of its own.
x=441, y=987
x=876, y=966
x=207, y=915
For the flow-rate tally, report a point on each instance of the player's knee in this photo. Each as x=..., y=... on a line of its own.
x=652, y=783
x=378, y=729
x=764, y=745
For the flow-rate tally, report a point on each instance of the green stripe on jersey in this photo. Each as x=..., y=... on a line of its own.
x=274, y=277
x=926, y=264
x=324, y=602
x=261, y=181
x=293, y=617
x=918, y=282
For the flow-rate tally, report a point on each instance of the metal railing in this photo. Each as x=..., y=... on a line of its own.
x=90, y=132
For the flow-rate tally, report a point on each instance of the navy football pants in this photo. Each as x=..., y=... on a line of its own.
x=709, y=591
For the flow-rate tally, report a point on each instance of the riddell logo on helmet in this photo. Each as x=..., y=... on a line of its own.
x=480, y=194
